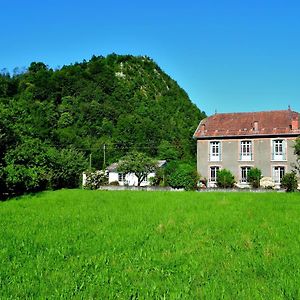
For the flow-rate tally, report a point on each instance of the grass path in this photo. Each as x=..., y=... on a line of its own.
x=150, y=245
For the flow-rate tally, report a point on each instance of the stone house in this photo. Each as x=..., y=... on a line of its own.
x=240, y=141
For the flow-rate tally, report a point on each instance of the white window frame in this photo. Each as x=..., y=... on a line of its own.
x=277, y=173
x=246, y=152
x=243, y=177
x=279, y=149
x=214, y=150
x=121, y=177
x=216, y=169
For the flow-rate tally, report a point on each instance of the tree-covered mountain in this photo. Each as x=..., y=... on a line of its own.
x=52, y=120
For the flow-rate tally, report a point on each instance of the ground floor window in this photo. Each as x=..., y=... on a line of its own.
x=278, y=172
x=244, y=174
x=121, y=177
x=213, y=173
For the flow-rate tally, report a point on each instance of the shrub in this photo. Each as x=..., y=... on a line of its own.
x=34, y=166
x=225, y=179
x=184, y=176
x=115, y=183
x=289, y=182
x=159, y=178
x=254, y=176
x=95, y=179
x=267, y=183
x=68, y=164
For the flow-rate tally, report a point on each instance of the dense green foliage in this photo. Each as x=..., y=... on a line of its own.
x=254, y=176
x=123, y=102
x=181, y=175
x=225, y=179
x=289, y=182
x=138, y=245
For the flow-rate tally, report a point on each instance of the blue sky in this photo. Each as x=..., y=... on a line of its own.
x=228, y=55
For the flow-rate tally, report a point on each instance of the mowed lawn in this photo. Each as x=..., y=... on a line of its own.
x=150, y=245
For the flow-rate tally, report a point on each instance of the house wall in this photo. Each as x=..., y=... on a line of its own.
x=130, y=179
x=230, y=156
x=112, y=177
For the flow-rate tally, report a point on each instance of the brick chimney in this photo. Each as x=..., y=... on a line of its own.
x=295, y=123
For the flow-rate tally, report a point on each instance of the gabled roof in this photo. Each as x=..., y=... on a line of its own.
x=113, y=167
x=278, y=122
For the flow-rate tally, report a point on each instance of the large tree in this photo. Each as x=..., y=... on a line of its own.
x=137, y=163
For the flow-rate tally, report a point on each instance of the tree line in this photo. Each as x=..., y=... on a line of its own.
x=53, y=121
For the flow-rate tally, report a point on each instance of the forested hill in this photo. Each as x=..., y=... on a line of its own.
x=123, y=102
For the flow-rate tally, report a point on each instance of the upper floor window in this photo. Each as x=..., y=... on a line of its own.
x=246, y=150
x=215, y=151
x=278, y=150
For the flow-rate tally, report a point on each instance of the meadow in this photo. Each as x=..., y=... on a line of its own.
x=150, y=245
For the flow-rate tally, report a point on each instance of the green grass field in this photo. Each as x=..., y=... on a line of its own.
x=150, y=245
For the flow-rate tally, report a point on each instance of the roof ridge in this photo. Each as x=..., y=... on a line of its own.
x=251, y=112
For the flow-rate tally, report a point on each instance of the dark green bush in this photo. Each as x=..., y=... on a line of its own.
x=254, y=176
x=184, y=176
x=225, y=179
x=289, y=182
x=34, y=166
x=115, y=183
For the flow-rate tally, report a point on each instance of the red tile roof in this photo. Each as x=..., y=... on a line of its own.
x=277, y=122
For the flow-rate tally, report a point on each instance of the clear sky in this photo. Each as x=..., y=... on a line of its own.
x=228, y=55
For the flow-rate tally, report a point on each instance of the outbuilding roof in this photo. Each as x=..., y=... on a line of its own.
x=277, y=122
x=113, y=167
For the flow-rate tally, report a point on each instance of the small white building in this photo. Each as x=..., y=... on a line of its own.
x=129, y=179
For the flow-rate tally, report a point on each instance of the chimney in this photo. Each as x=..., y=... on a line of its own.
x=255, y=126
x=202, y=129
x=295, y=123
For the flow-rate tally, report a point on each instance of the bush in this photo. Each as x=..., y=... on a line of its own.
x=184, y=176
x=34, y=166
x=114, y=183
x=289, y=182
x=225, y=179
x=267, y=183
x=254, y=176
x=67, y=167
x=95, y=179
x=159, y=178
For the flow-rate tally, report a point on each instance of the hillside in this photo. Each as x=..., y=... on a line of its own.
x=122, y=102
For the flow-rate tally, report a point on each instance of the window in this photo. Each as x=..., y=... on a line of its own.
x=213, y=174
x=246, y=150
x=244, y=174
x=215, y=151
x=278, y=150
x=278, y=173
x=121, y=177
